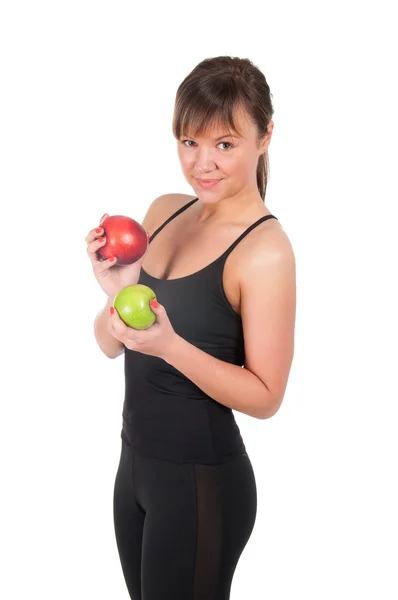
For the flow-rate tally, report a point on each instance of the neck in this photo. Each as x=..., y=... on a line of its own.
x=230, y=209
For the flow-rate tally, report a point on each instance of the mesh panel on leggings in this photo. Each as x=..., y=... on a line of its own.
x=209, y=532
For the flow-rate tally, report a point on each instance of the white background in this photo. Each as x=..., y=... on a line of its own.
x=87, y=95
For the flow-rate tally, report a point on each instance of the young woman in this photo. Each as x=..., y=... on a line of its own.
x=223, y=270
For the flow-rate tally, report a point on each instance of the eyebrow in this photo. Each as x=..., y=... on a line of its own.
x=226, y=135
x=216, y=139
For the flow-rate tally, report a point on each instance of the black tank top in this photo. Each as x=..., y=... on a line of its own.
x=166, y=415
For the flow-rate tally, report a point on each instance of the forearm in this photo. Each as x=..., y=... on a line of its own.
x=228, y=384
x=109, y=345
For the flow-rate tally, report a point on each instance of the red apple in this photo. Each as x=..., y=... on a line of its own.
x=125, y=238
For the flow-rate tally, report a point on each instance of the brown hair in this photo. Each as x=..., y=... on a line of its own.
x=213, y=90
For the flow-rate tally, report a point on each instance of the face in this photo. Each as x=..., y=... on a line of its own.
x=218, y=165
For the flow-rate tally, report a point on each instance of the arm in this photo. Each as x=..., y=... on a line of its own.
x=228, y=384
x=109, y=345
x=158, y=211
x=268, y=303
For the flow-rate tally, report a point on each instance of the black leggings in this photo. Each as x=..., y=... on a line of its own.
x=181, y=527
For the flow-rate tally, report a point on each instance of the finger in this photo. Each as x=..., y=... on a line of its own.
x=111, y=329
x=116, y=325
x=94, y=246
x=102, y=219
x=101, y=266
x=128, y=334
x=94, y=234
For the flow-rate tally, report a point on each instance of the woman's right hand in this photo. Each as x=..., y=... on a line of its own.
x=111, y=276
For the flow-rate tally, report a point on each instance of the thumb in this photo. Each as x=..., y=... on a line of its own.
x=157, y=308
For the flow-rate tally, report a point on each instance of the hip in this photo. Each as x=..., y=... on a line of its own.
x=230, y=483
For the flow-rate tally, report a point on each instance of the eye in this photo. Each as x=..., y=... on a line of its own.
x=183, y=141
x=228, y=144
x=188, y=142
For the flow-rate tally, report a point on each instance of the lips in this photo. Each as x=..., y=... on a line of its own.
x=209, y=180
x=207, y=184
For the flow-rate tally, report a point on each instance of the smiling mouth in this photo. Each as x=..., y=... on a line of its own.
x=208, y=180
x=208, y=184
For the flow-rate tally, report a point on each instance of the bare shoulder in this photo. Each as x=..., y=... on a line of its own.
x=267, y=243
x=265, y=265
x=163, y=207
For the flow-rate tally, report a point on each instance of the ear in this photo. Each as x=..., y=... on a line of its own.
x=265, y=141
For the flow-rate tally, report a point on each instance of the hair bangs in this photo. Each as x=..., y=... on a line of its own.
x=195, y=117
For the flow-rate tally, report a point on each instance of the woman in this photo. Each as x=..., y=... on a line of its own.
x=223, y=271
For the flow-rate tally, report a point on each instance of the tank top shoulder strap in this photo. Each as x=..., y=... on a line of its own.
x=244, y=234
x=180, y=210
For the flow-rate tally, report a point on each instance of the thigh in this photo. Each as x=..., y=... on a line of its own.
x=129, y=523
x=238, y=497
x=198, y=521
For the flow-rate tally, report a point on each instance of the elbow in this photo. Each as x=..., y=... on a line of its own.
x=113, y=354
x=270, y=407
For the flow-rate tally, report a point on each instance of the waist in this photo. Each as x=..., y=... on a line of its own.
x=201, y=433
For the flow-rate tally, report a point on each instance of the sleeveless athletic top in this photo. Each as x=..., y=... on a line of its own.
x=166, y=415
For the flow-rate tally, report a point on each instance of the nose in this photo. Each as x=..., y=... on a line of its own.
x=204, y=160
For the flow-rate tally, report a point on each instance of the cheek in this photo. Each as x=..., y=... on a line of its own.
x=186, y=159
x=238, y=166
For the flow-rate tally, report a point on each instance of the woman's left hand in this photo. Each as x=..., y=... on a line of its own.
x=155, y=340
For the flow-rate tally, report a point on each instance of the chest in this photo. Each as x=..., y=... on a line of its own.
x=183, y=251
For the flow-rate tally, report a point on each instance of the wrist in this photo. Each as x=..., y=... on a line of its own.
x=174, y=348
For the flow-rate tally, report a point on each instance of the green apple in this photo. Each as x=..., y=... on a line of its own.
x=132, y=305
